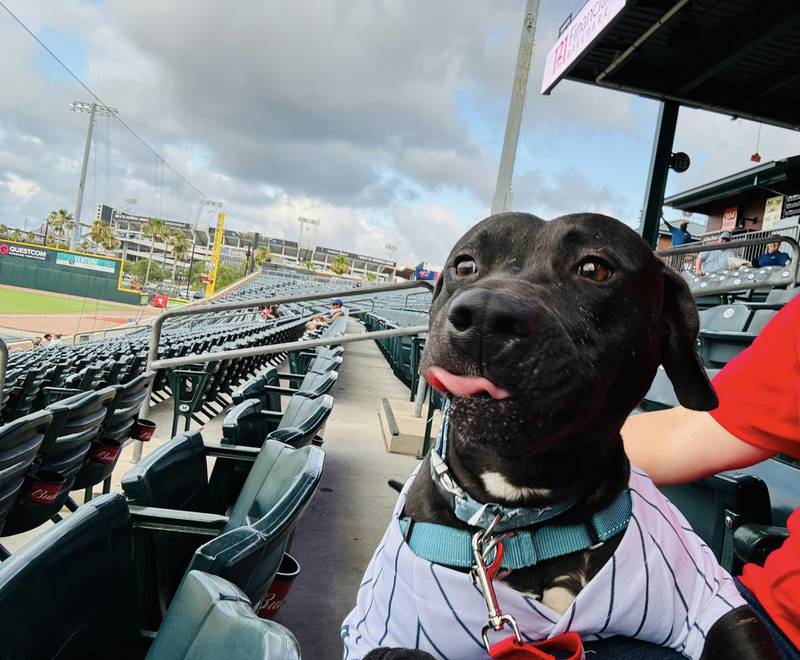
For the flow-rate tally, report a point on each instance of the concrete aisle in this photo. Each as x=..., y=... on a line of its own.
x=346, y=519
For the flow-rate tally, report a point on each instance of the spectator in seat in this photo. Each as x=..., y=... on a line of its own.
x=331, y=315
x=758, y=416
x=55, y=341
x=772, y=257
x=680, y=234
x=37, y=342
x=716, y=260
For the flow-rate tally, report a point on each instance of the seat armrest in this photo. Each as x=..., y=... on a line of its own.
x=288, y=391
x=753, y=543
x=291, y=376
x=235, y=452
x=172, y=520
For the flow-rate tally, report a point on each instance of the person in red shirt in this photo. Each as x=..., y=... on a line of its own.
x=758, y=416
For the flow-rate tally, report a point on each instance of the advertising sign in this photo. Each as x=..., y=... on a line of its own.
x=11, y=250
x=87, y=263
x=791, y=206
x=581, y=33
x=425, y=274
x=773, y=209
x=729, y=218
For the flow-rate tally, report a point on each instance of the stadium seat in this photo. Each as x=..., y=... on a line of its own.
x=20, y=441
x=279, y=486
x=717, y=506
x=248, y=425
x=265, y=386
x=122, y=413
x=211, y=619
x=77, y=421
x=71, y=593
x=726, y=330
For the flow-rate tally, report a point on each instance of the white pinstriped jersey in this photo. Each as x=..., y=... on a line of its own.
x=662, y=585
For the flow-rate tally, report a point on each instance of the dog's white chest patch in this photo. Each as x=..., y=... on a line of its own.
x=498, y=486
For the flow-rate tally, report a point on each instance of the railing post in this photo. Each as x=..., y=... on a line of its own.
x=3, y=365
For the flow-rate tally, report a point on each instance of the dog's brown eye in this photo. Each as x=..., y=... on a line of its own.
x=596, y=271
x=466, y=267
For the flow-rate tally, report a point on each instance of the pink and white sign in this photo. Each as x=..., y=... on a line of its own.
x=579, y=35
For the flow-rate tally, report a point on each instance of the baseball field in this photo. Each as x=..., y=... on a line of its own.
x=27, y=313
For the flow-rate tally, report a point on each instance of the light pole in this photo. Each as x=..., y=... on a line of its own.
x=393, y=254
x=305, y=223
x=502, y=192
x=210, y=203
x=93, y=109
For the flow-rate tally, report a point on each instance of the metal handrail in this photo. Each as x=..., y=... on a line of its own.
x=691, y=248
x=155, y=336
x=271, y=349
x=12, y=343
x=135, y=326
x=3, y=364
x=416, y=293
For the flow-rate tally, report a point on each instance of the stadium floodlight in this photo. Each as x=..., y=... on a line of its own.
x=93, y=109
x=305, y=223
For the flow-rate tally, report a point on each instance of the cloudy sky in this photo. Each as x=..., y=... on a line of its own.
x=382, y=118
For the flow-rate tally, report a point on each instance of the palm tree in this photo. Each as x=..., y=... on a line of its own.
x=3, y=231
x=309, y=265
x=156, y=229
x=97, y=231
x=16, y=235
x=61, y=221
x=261, y=254
x=179, y=243
x=30, y=237
x=102, y=234
x=340, y=265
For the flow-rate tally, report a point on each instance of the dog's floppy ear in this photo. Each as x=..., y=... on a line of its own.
x=679, y=345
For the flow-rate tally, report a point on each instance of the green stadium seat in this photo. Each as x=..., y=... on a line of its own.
x=77, y=421
x=20, y=441
x=717, y=506
x=211, y=619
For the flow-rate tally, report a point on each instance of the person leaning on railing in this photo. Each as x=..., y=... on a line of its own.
x=758, y=416
x=714, y=261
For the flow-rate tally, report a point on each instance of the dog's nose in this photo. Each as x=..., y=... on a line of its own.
x=490, y=316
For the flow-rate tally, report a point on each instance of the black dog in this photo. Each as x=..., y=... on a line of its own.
x=545, y=335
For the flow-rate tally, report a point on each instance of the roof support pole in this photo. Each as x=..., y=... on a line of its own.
x=659, y=169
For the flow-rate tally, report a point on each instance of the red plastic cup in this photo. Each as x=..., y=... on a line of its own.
x=105, y=451
x=279, y=589
x=45, y=487
x=143, y=430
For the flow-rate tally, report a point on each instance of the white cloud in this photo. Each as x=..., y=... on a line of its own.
x=22, y=188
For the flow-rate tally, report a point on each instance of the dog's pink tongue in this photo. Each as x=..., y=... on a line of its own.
x=445, y=382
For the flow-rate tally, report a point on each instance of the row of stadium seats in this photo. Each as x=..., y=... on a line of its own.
x=118, y=565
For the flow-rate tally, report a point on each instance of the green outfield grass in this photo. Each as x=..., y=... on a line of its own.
x=15, y=301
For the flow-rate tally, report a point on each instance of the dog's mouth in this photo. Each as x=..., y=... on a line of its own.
x=463, y=386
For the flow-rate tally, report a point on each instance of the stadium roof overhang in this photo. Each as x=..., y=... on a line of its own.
x=737, y=57
x=778, y=177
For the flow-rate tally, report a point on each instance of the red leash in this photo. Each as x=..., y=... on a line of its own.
x=510, y=649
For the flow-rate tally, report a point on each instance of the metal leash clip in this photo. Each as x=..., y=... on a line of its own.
x=484, y=572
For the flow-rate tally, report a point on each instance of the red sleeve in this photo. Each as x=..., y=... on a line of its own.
x=759, y=390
